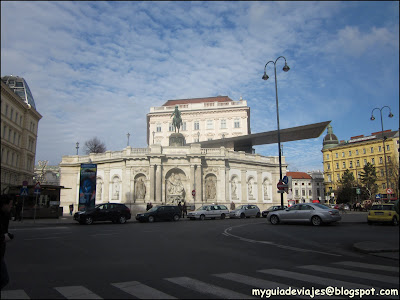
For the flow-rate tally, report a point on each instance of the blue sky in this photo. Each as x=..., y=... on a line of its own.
x=96, y=68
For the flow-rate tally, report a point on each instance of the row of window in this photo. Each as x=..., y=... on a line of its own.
x=11, y=136
x=196, y=125
x=303, y=193
x=9, y=157
x=357, y=153
x=382, y=174
x=328, y=165
x=17, y=118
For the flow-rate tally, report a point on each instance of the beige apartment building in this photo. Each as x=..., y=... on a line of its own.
x=355, y=153
x=19, y=128
x=203, y=119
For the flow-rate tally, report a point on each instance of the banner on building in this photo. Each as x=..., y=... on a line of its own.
x=87, y=186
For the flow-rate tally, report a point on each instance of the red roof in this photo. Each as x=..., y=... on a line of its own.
x=197, y=100
x=298, y=175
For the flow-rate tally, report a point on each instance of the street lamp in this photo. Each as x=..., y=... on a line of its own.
x=153, y=136
x=77, y=147
x=128, y=135
x=383, y=137
x=265, y=77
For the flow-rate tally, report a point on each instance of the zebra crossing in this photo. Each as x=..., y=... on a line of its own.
x=388, y=277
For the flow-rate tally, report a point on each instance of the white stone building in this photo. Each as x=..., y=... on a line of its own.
x=19, y=129
x=203, y=119
x=305, y=187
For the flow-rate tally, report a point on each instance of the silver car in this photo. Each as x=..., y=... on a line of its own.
x=245, y=211
x=315, y=213
x=209, y=211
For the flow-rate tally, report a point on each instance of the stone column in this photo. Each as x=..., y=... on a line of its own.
x=244, y=186
x=158, y=183
x=227, y=193
x=221, y=184
x=260, y=188
x=106, y=185
x=152, y=183
x=199, y=184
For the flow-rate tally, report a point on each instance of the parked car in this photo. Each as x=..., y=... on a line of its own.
x=115, y=212
x=272, y=208
x=160, y=213
x=245, y=211
x=210, y=212
x=384, y=213
x=315, y=213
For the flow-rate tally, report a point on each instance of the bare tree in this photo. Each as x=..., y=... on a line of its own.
x=94, y=145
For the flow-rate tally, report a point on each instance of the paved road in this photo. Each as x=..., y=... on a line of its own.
x=192, y=259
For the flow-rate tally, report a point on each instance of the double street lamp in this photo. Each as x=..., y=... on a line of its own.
x=383, y=137
x=265, y=77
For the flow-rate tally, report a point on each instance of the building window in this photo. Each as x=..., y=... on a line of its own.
x=19, y=140
x=365, y=162
x=373, y=161
x=15, y=135
x=210, y=124
x=303, y=192
x=387, y=148
x=20, y=121
x=237, y=123
x=328, y=166
x=9, y=134
x=372, y=149
x=170, y=127
x=379, y=148
x=343, y=154
x=351, y=164
x=338, y=177
x=309, y=193
x=295, y=183
x=158, y=127
x=327, y=156
x=337, y=165
x=364, y=151
x=4, y=131
x=6, y=110
x=16, y=117
x=357, y=152
x=184, y=126
x=350, y=153
x=223, y=124
x=384, y=185
x=344, y=165
x=380, y=160
x=337, y=155
x=388, y=158
x=329, y=178
x=11, y=113
x=382, y=172
x=358, y=162
x=296, y=192
x=302, y=183
x=318, y=193
x=196, y=125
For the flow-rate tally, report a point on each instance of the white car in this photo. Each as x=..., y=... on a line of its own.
x=245, y=211
x=209, y=211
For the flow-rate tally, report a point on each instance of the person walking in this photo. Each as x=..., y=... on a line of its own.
x=18, y=210
x=180, y=207
x=6, y=204
x=184, y=210
x=71, y=209
x=233, y=206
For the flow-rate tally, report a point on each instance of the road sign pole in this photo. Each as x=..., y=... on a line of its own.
x=22, y=211
x=34, y=215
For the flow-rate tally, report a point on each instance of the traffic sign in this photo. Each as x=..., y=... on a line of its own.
x=389, y=191
x=37, y=185
x=25, y=183
x=194, y=193
x=285, y=179
x=24, y=192
x=378, y=196
x=281, y=185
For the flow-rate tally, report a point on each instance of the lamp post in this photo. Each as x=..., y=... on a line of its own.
x=383, y=137
x=265, y=77
x=128, y=135
x=77, y=147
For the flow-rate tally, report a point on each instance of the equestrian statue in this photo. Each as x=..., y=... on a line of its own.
x=177, y=120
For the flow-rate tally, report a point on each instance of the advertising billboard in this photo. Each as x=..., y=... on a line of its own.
x=87, y=186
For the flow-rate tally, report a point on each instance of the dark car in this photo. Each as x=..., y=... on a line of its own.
x=115, y=212
x=160, y=213
x=272, y=208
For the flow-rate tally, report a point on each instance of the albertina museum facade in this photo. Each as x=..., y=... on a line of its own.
x=194, y=173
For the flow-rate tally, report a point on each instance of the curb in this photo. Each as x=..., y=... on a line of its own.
x=373, y=247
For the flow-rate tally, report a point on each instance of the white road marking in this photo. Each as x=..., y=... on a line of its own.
x=141, y=291
x=14, y=294
x=368, y=266
x=76, y=292
x=351, y=273
x=272, y=243
x=206, y=288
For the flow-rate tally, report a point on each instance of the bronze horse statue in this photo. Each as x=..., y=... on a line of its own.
x=177, y=120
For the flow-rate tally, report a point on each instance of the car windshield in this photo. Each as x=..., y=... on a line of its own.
x=242, y=207
x=153, y=209
x=321, y=206
x=202, y=207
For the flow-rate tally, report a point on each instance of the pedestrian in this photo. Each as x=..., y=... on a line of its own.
x=184, y=210
x=180, y=206
x=71, y=209
x=233, y=205
x=148, y=206
x=6, y=204
x=18, y=210
x=358, y=206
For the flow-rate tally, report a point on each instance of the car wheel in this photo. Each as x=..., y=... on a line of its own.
x=222, y=216
x=258, y=215
x=202, y=217
x=274, y=220
x=151, y=219
x=316, y=221
x=242, y=216
x=395, y=222
x=176, y=218
x=88, y=220
x=122, y=220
